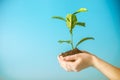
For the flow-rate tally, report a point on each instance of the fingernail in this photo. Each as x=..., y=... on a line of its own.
x=60, y=57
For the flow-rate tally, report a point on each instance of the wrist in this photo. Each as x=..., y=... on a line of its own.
x=94, y=60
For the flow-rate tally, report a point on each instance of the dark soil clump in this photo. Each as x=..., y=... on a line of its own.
x=71, y=52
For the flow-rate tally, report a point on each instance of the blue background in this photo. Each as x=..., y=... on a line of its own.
x=28, y=37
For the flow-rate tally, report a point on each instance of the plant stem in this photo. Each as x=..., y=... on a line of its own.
x=71, y=35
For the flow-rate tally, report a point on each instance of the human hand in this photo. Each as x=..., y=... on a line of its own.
x=76, y=62
x=83, y=60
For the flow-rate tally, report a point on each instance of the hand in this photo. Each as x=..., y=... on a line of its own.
x=83, y=60
x=76, y=62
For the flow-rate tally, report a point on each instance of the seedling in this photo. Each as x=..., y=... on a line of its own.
x=71, y=21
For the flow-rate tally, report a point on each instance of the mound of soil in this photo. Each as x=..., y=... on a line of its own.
x=71, y=52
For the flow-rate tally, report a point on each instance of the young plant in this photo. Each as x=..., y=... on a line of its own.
x=72, y=21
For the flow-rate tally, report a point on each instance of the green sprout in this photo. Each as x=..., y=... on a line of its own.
x=71, y=21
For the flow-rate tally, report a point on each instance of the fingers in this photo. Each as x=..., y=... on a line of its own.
x=85, y=51
x=68, y=65
x=69, y=68
x=64, y=64
x=76, y=62
x=70, y=58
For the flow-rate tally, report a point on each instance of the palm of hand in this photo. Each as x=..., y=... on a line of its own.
x=76, y=62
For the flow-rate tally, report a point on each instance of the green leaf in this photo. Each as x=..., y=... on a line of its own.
x=84, y=39
x=65, y=41
x=58, y=17
x=71, y=20
x=80, y=24
x=81, y=10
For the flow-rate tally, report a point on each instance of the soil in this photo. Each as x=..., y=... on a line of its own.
x=71, y=52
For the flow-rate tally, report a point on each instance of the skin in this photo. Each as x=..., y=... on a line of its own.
x=83, y=60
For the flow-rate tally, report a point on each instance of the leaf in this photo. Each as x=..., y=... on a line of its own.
x=65, y=41
x=71, y=20
x=80, y=24
x=81, y=10
x=58, y=17
x=84, y=39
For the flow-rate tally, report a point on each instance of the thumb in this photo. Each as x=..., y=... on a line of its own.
x=69, y=58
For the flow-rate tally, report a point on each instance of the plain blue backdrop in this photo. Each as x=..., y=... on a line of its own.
x=28, y=37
